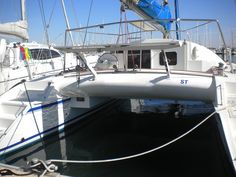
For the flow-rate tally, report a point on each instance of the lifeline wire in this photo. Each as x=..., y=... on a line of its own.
x=139, y=154
x=28, y=97
x=90, y=9
x=22, y=81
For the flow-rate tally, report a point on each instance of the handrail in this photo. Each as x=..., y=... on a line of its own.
x=102, y=25
x=152, y=21
x=150, y=24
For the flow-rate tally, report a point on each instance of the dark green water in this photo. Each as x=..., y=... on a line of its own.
x=117, y=131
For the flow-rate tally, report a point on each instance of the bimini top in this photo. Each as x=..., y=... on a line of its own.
x=161, y=44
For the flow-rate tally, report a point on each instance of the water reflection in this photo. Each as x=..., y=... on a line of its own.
x=133, y=126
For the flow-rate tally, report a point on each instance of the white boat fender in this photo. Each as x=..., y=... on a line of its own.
x=3, y=46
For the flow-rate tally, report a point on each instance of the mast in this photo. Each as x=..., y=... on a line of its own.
x=23, y=17
x=23, y=13
x=177, y=24
x=67, y=21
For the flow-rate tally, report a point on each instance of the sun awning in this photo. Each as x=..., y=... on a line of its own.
x=161, y=44
x=144, y=26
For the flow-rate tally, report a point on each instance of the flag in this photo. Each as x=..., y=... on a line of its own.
x=25, y=53
x=22, y=53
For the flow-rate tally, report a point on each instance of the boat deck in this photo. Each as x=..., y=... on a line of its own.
x=10, y=170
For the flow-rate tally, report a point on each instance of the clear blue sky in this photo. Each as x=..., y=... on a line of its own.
x=109, y=11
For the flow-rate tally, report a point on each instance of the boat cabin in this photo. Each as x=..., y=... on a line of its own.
x=150, y=54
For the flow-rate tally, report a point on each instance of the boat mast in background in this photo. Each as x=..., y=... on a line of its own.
x=67, y=21
x=177, y=23
x=23, y=13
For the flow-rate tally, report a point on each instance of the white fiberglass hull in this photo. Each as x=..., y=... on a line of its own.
x=142, y=85
x=23, y=122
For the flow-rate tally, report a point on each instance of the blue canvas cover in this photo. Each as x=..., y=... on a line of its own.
x=156, y=11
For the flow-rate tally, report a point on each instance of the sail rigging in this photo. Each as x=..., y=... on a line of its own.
x=19, y=29
x=152, y=10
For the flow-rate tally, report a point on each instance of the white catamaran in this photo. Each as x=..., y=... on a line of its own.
x=25, y=60
x=141, y=67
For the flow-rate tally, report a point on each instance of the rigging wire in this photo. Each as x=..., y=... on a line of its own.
x=125, y=39
x=86, y=31
x=58, y=37
x=76, y=18
x=67, y=22
x=53, y=8
x=74, y=12
x=123, y=23
x=31, y=107
x=41, y=8
x=120, y=27
x=18, y=124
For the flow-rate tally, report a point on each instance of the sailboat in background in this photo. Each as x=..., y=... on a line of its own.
x=26, y=60
x=18, y=28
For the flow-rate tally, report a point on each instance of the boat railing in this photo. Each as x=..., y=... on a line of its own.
x=127, y=35
x=202, y=31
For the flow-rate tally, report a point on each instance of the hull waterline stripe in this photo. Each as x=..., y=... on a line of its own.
x=48, y=105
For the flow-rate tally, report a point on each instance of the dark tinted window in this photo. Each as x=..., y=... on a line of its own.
x=45, y=54
x=42, y=54
x=55, y=54
x=134, y=58
x=35, y=53
x=119, y=51
x=171, y=57
x=146, y=59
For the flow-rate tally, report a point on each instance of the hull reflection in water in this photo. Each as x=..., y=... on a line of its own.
x=133, y=126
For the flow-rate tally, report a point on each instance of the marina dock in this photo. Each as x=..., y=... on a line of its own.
x=9, y=170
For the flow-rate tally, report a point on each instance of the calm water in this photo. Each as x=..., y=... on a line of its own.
x=234, y=58
x=130, y=127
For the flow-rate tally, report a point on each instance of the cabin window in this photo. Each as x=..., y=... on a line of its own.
x=35, y=53
x=139, y=57
x=55, y=54
x=45, y=54
x=119, y=51
x=42, y=54
x=171, y=57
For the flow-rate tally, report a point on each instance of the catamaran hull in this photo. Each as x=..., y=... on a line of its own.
x=39, y=122
x=89, y=93
x=30, y=120
x=142, y=85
